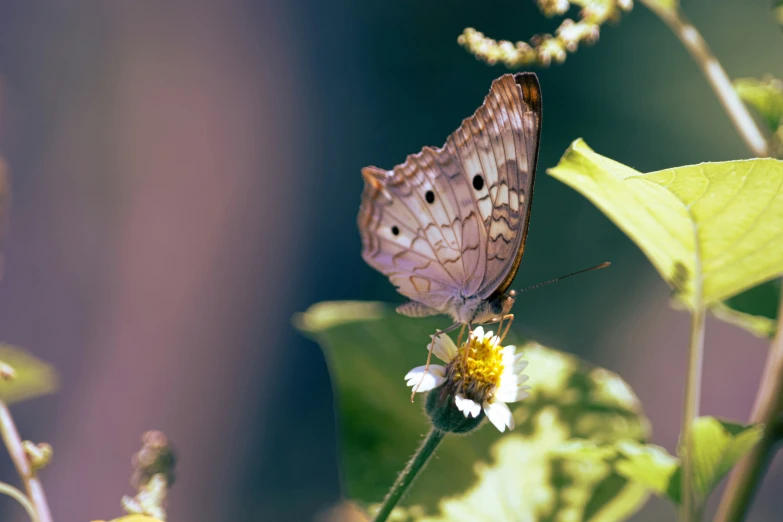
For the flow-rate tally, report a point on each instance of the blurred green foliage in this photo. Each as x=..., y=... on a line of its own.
x=31, y=377
x=717, y=446
x=765, y=97
x=487, y=475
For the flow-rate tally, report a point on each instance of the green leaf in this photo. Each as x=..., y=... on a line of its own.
x=717, y=447
x=755, y=309
x=646, y=465
x=720, y=224
x=31, y=376
x=649, y=465
x=369, y=349
x=765, y=97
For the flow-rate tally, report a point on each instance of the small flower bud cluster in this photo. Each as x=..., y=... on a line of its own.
x=150, y=499
x=153, y=474
x=546, y=49
x=155, y=457
x=554, y=7
x=39, y=455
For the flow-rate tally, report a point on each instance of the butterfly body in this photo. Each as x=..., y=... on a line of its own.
x=465, y=310
x=448, y=226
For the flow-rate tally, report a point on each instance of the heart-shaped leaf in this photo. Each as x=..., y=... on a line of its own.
x=512, y=476
x=714, y=227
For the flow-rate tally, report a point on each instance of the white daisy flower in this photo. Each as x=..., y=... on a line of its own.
x=481, y=376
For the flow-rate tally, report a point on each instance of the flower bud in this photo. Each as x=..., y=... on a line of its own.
x=442, y=410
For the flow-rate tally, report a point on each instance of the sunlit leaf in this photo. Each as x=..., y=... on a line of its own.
x=647, y=465
x=717, y=447
x=765, y=96
x=651, y=466
x=757, y=325
x=755, y=309
x=718, y=223
x=371, y=348
x=31, y=376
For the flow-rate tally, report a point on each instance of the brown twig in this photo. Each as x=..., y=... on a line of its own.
x=715, y=74
x=747, y=476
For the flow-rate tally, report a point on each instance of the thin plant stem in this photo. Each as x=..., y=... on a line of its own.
x=405, y=479
x=13, y=443
x=769, y=400
x=746, y=477
x=716, y=76
x=690, y=410
x=8, y=489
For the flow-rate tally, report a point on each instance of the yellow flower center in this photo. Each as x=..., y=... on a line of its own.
x=477, y=367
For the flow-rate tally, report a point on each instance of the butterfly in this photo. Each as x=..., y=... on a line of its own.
x=448, y=227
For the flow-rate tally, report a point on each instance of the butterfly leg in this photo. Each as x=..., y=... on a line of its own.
x=510, y=318
x=429, y=354
x=459, y=337
x=500, y=325
x=465, y=357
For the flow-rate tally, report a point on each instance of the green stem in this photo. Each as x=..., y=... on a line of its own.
x=746, y=477
x=13, y=442
x=8, y=489
x=716, y=76
x=690, y=410
x=405, y=479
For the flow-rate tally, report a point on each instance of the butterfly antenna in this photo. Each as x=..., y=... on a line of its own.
x=596, y=267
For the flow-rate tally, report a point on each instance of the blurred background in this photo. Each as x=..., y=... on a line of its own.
x=186, y=177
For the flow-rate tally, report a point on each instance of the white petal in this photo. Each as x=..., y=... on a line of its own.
x=478, y=333
x=428, y=380
x=508, y=379
x=468, y=407
x=512, y=393
x=444, y=348
x=519, y=365
x=499, y=415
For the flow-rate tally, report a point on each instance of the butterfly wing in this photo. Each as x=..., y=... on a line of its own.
x=499, y=143
x=428, y=250
x=450, y=222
